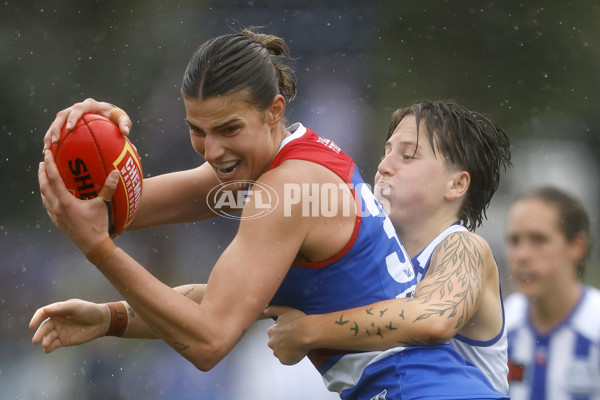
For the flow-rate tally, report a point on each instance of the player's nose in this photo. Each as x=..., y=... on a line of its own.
x=213, y=148
x=385, y=166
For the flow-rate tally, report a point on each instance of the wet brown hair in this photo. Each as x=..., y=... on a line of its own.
x=467, y=140
x=246, y=61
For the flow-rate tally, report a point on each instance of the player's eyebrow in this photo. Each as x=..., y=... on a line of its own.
x=216, y=127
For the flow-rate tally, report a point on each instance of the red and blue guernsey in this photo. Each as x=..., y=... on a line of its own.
x=373, y=266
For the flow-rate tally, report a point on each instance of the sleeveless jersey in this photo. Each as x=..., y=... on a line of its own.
x=562, y=364
x=490, y=356
x=373, y=266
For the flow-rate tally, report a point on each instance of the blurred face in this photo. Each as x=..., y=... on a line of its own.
x=411, y=181
x=232, y=136
x=541, y=260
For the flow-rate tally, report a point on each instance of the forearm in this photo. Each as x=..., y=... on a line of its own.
x=186, y=326
x=137, y=328
x=379, y=326
x=445, y=300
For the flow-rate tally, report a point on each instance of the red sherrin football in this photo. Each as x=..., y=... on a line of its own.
x=86, y=155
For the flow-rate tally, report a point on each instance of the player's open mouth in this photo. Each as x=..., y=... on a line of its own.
x=227, y=168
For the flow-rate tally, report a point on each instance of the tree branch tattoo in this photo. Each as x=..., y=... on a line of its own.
x=460, y=262
x=452, y=289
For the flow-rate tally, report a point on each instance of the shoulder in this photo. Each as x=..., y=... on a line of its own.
x=585, y=318
x=296, y=171
x=464, y=254
x=593, y=294
x=466, y=244
x=469, y=238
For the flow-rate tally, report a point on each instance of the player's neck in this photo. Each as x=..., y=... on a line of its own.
x=548, y=312
x=416, y=237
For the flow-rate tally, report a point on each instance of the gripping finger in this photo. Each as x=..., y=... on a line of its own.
x=106, y=194
x=45, y=187
x=110, y=185
x=53, y=176
x=275, y=311
x=53, y=132
x=120, y=118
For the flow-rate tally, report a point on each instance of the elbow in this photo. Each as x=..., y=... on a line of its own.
x=205, y=361
x=438, y=333
x=207, y=356
x=205, y=365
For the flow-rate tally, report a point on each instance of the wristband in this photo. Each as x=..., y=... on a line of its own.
x=101, y=251
x=118, y=319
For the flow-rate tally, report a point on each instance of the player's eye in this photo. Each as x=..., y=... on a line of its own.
x=231, y=129
x=196, y=132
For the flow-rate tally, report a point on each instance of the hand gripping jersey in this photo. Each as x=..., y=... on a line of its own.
x=489, y=356
x=373, y=266
x=562, y=364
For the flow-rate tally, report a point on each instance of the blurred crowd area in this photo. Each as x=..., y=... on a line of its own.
x=531, y=67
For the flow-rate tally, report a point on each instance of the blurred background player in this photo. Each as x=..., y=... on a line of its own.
x=553, y=320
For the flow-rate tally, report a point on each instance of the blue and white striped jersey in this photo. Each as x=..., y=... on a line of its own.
x=490, y=355
x=562, y=364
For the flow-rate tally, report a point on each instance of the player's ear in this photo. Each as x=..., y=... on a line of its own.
x=458, y=185
x=579, y=247
x=275, y=112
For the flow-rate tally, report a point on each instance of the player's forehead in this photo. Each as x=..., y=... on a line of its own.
x=407, y=134
x=533, y=214
x=215, y=111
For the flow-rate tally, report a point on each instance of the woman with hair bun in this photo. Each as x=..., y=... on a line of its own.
x=327, y=245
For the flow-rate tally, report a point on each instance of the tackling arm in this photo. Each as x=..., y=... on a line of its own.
x=445, y=301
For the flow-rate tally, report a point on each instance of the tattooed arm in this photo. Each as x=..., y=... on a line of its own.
x=445, y=302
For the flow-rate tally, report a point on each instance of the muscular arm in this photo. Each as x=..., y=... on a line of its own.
x=175, y=198
x=445, y=300
x=242, y=282
x=137, y=328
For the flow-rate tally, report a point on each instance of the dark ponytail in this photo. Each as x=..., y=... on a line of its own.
x=236, y=62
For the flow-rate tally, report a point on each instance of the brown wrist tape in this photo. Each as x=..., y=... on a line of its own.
x=118, y=320
x=101, y=251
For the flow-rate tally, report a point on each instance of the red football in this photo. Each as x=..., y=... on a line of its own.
x=86, y=155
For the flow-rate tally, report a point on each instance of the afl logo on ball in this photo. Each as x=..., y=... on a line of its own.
x=229, y=198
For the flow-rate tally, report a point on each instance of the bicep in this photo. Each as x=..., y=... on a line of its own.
x=454, y=283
